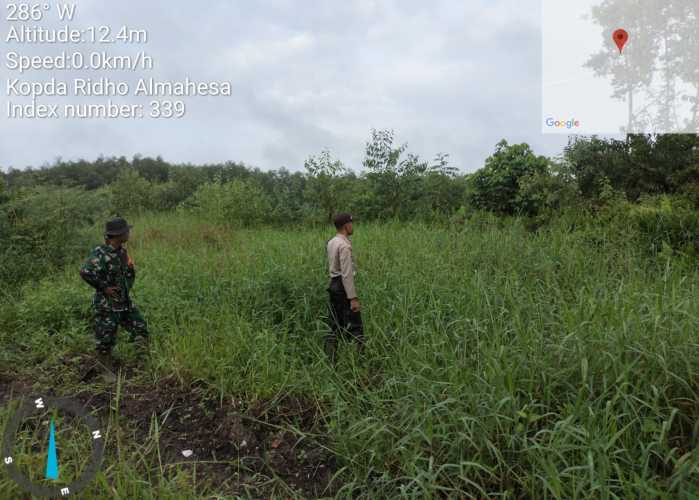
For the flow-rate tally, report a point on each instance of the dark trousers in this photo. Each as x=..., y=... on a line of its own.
x=343, y=321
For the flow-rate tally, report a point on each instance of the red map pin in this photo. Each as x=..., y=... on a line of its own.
x=620, y=38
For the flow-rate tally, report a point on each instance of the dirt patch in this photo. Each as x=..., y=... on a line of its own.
x=12, y=388
x=236, y=448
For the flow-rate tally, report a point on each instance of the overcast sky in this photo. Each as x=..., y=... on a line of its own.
x=448, y=76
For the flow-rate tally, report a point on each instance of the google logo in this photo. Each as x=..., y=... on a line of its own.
x=572, y=123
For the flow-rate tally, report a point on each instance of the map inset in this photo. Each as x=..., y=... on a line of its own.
x=620, y=66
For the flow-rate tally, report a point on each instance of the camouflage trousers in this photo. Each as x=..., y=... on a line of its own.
x=107, y=322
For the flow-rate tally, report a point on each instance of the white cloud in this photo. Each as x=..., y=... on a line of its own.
x=251, y=54
x=447, y=75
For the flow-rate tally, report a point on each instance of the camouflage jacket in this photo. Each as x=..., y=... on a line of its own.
x=108, y=267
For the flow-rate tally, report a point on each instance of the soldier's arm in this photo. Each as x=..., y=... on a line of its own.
x=91, y=272
x=347, y=272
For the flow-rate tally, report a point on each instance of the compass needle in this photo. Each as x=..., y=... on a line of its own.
x=52, y=459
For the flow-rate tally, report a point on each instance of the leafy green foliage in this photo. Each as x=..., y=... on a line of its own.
x=327, y=186
x=181, y=184
x=666, y=222
x=235, y=203
x=394, y=179
x=642, y=164
x=43, y=228
x=496, y=187
x=131, y=193
x=4, y=196
x=403, y=186
x=398, y=184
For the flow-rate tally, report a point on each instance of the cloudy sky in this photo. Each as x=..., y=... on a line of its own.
x=448, y=76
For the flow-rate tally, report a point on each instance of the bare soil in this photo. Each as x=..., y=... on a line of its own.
x=238, y=447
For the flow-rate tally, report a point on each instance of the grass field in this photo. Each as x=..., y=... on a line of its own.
x=500, y=363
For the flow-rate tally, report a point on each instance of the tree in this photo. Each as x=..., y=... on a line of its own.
x=153, y=170
x=395, y=181
x=289, y=196
x=496, y=187
x=441, y=190
x=3, y=197
x=643, y=164
x=240, y=202
x=131, y=193
x=592, y=160
x=325, y=183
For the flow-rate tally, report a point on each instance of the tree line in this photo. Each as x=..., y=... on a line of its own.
x=654, y=179
x=395, y=183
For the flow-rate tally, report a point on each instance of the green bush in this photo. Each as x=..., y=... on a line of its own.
x=132, y=193
x=52, y=305
x=43, y=228
x=666, y=221
x=497, y=187
x=240, y=202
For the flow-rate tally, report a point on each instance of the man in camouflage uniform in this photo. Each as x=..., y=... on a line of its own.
x=110, y=271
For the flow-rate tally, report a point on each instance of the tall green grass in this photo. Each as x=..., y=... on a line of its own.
x=499, y=363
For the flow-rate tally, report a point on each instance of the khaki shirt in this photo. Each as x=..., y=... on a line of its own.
x=340, y=263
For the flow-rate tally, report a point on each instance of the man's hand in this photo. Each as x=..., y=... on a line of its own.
x=129, y=260
x=112, y=291
x=355, y=305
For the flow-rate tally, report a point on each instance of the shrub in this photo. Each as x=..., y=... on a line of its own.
x=667, y=221
x=326, y=188
x=240, y=202
x=131, y=193
x=496, y=187
x=45, y=227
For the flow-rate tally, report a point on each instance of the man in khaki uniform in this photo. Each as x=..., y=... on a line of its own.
x=345, y=315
